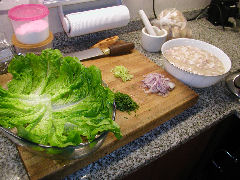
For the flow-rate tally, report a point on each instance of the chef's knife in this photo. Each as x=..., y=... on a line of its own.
x=113, y=50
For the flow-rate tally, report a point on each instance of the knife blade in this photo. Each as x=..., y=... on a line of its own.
x=113, y=50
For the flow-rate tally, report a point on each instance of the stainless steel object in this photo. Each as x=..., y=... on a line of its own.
x=233, y=83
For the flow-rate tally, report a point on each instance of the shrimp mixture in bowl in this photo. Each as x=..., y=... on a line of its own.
x=195, y=60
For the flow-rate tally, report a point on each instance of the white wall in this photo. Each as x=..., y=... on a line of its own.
x=133, y=6
x=146, y=5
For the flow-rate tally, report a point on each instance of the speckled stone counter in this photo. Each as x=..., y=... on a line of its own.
x=213, y=105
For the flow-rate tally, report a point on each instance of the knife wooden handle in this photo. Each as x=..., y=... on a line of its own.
x=121, y=48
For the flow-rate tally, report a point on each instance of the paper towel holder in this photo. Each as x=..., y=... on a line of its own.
x=83, y=6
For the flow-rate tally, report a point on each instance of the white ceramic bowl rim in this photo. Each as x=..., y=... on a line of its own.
x=155, y=28
x=192, y=44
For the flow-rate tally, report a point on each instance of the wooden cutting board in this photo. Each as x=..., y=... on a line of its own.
x=154, y=110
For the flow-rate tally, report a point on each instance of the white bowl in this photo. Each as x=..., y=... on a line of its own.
x=153, y=43
x=191, y=79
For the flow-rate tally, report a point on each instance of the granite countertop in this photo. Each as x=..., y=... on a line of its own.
x=214, y=104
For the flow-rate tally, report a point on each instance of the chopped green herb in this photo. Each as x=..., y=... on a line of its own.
x=124, y=102
x=122, y=72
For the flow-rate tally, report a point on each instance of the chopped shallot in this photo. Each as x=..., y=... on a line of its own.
x=157, y=83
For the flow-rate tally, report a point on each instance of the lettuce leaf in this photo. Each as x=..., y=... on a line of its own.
x=55, y=100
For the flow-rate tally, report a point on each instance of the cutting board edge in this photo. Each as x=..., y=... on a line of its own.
x=57, y=170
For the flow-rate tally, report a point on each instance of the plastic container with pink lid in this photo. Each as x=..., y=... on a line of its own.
x=30, y=23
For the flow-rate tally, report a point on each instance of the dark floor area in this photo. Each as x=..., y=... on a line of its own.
x=214, y=154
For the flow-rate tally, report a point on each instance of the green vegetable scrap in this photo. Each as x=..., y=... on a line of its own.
x=124, y=102
x=55, y=100
x=122, y=72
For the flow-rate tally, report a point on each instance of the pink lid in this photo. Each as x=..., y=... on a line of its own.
x=28, y=12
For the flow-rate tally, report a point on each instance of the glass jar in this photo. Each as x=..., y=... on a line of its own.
x=6, y=53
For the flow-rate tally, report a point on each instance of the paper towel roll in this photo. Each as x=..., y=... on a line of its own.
x=97, y=20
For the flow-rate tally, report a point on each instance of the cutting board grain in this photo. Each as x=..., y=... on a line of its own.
x=154, y=110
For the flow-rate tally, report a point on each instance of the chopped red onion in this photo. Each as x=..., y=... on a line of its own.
x=157, y=83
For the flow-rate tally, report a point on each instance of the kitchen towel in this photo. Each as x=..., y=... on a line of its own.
x=90, y=21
